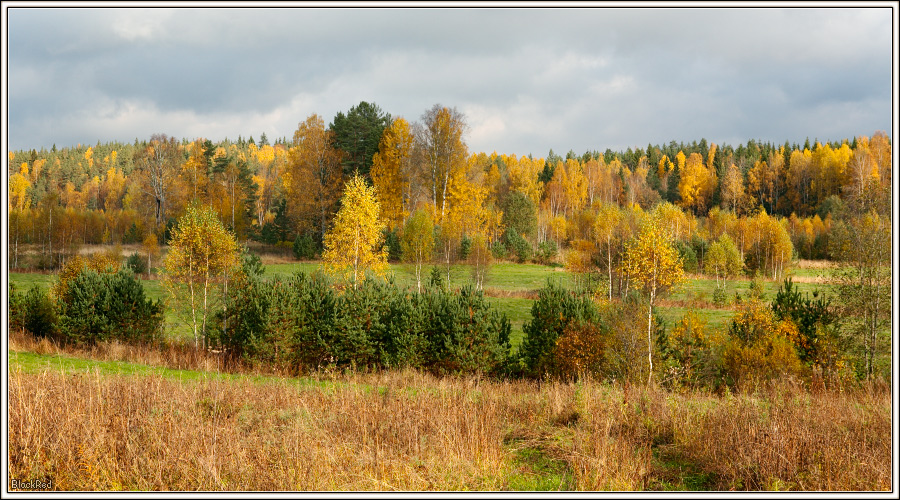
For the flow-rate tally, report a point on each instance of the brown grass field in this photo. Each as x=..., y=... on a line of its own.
x=410, y=431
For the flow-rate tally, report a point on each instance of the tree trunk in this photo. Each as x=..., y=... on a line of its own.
x=650, y=341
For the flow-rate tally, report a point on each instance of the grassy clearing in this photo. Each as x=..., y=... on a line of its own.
x=114, y=427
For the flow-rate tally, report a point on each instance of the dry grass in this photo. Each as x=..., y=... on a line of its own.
x=173, y=356
x=404, y=430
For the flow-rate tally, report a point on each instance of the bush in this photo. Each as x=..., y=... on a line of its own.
x=551, y=314
x=102, y=306
x=720, y=297
x=517, y=245
x=392, y=243
x=136, y=263
x=580, y=350
x=301, y=324
x=760, y=348
x=304, y=247
x=465, y=248
x=547, y=251
x=498, y=250
x=34, y=312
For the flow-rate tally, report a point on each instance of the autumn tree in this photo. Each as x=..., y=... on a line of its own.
x=392, y=172
x=358, y=134
x=354, y=244
x=480, y=258
x=202, y=254
x=440, y=137
x=607, y=234
x=314, y=179
x=417, y=242
x=723, y=259
x=863, y=244
x=696, y=184
x=158, y=163
x=652, y=262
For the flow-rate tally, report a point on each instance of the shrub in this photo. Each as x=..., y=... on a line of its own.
x=499, y=251
x=547, y=251
x=580, y=350
x=102, y=306
x=37, y=314
x=465, y=248
x=392, y=244
x=302, y=324
x=691, y=354
x=136, y=263
x=760, y=347
x=517, y=245
x=551, y=314
x=304, y=247
x=720, y=297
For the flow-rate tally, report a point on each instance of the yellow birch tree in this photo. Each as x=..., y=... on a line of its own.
x=354, y=243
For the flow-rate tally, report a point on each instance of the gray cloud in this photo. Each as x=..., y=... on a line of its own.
x=527, y=79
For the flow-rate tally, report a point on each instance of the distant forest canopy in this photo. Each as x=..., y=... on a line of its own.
x=275, y=192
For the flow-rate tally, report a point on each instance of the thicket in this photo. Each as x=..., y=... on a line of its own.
x=91, y=306
x=570, y=336
x=303, y=323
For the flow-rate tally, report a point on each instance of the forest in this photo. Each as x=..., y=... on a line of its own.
x=771, y=199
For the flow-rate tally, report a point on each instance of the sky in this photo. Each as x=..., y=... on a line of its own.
x=527, y=80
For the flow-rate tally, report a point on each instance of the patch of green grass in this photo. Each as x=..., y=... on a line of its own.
x=674, y=473
x=535, y=471
x=518, y=310
x=24, y=281
x=30, y=362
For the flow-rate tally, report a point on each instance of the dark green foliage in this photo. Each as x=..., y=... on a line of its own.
x=436, y=279
x=465, y=247
x=392, y=243
x=499, y=251
x=756, y=289
x=520, y=213
x=132, y=235
x=812, y=316
x=246, y=308
x=688, y=256
x=463, y=334
x=546, y=252
x=32, y=311
x=304, y=247
x=555, y=308
x=519, y=247
x=302, y=324
x=357, y=134
x=720, y=297
x=102, y=306
x=136, y=263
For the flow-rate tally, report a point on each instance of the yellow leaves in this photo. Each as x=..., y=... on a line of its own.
x=391, y=171
x=651, y=260
x=353, y=245
x=697, y=183
x=18, y=192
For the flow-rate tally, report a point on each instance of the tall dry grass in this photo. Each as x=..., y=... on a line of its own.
x=408, y=431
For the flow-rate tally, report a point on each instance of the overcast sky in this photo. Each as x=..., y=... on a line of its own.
x=527, y=80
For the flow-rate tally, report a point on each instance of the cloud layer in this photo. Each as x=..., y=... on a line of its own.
x=527, y=80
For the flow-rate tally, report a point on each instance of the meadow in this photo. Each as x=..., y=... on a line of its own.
x=123, y=418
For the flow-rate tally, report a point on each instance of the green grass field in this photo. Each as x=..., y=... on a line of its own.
x=505, y=284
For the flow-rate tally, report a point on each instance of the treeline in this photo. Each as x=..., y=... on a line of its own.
x=280, y=192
